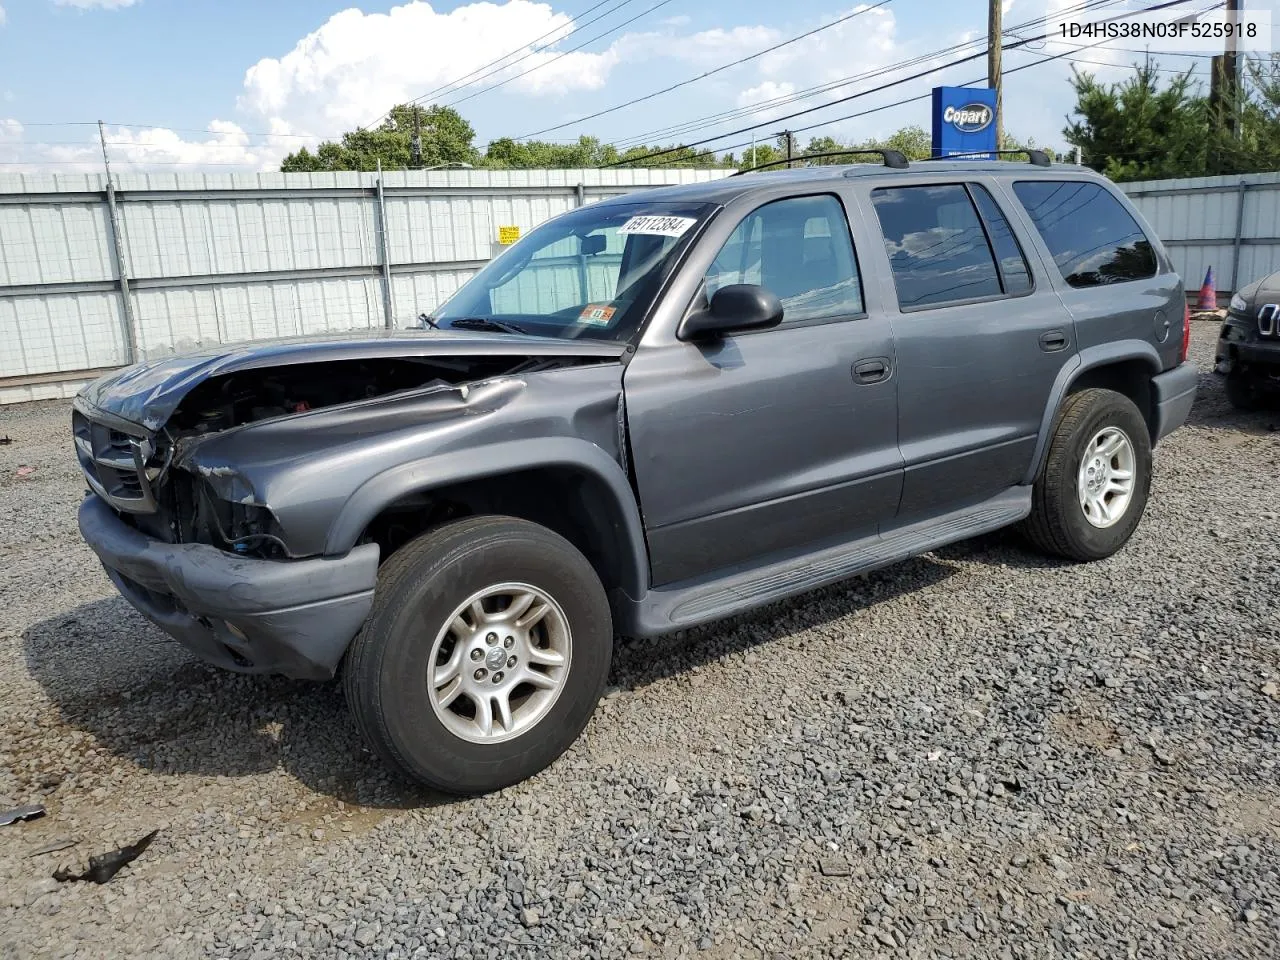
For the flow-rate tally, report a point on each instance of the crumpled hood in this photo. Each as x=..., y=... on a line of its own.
x=147, y=393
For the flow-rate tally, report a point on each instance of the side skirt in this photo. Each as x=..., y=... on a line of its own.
x=680, y=605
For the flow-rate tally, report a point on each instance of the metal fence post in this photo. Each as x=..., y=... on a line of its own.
x=1235, y=249
x=388, y=304
x=580, y=194
x=122, y=271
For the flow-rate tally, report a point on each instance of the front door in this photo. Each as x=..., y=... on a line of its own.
x=981, y=337
x=771, y=441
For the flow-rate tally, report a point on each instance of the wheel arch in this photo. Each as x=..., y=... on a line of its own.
x=569, y=485
x=1125, y=366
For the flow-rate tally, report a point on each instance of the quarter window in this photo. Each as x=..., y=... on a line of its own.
x=1093, y=239
x=936, y=245
x=800, y=250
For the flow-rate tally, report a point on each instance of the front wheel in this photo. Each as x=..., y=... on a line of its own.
x=484, y=656
x=1094, y=486
x=1242, y=391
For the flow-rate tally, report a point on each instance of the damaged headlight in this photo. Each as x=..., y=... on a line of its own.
x=1238, y=304
x=250, y=529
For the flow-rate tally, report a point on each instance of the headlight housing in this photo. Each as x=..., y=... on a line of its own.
x=1238, y=304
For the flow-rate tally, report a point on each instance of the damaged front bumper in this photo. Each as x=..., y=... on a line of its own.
x=292, y=617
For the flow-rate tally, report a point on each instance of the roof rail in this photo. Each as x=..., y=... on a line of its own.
x=892, y=158
x=1038, y=157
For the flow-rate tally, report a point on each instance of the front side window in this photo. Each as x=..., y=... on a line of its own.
x=800, y=250
x=588, y=274
x=1092, y=238
x=937, y=248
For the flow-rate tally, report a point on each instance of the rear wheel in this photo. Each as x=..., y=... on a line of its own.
x=1093, y=489
x=484, y=656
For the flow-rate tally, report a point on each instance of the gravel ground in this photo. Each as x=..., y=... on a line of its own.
x=975, y=753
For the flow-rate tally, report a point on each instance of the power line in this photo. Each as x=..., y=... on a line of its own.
x=800, y=95
x=499, y=65
x=709, y=73
x=1045, y=58
x=854, y=96
x=561, y=55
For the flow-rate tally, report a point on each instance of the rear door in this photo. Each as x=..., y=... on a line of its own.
x=770, y=441
x=1112, y=278
x=980, y=334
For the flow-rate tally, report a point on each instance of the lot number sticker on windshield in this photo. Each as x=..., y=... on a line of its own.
x=657, y=226
x=596, y=315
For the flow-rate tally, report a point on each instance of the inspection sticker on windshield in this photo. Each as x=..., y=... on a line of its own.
x=596, y=315
x=657, y=226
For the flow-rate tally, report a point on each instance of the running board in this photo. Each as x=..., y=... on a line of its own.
x=693, y=602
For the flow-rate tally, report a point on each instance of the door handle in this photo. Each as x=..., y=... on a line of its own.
x=1053, y=341
x=871, y=371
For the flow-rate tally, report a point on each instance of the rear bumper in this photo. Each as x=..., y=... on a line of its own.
x=293, y=617
x=1174, y=392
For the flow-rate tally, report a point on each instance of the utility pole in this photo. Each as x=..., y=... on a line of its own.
x=785, y=136
x=994, y=32
x=1231, y=73
x=415, y=145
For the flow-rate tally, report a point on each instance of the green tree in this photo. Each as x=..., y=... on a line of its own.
x=1136, y=130
x=446, y=138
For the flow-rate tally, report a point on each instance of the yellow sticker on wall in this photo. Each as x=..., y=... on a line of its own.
x=597, y=315
x=508, y=235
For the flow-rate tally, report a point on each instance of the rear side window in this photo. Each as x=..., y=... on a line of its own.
x=1093, y=238
x=936, y=245
x=1013, y=265
x=801, y=250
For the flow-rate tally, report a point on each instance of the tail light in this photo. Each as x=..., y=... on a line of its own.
x=1186, y=333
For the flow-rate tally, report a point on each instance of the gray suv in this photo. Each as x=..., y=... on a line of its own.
x=652, y=412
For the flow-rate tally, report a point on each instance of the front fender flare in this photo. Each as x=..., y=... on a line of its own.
x=1087, y=359
x=422, y=475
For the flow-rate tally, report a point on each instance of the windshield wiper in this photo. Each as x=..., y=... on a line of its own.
x=485, y=323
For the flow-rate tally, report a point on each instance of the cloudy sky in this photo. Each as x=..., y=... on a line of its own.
x=220, y=84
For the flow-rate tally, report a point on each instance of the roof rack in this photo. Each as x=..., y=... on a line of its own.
x=892, y=158
x=1038, y=157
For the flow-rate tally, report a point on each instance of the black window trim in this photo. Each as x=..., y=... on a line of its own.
x=812, y=321
x=1155, y=257
x=995, y=261
x=986, y=229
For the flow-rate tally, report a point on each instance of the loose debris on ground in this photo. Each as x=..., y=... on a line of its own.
x=976, y=753
x=103, y=867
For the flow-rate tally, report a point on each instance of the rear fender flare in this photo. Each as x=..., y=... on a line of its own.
x=418, y=476
x=1087, y=359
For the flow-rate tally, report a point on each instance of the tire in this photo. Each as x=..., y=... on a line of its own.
x=1242, y=391
x=388, y=674
x=1059, y=523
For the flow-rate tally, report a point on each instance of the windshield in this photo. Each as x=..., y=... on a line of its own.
x=590, y=273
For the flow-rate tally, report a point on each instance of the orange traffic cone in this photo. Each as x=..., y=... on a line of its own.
x=1208, y=293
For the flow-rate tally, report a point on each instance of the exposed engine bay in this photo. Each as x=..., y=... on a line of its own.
x=198, y=503
x=252, y=395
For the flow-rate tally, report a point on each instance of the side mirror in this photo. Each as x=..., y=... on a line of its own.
x=739, y=306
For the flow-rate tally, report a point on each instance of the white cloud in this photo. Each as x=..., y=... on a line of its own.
x=763, y=92
x=2, y=16
x=226, y=147
x=353, y=67
x=89, y=4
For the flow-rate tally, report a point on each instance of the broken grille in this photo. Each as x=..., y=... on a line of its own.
x=114, y=463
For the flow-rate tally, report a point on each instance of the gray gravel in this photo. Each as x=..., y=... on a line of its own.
x=976, y=753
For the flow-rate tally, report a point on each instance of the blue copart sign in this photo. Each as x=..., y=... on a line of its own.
x=964, y=122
